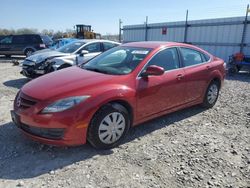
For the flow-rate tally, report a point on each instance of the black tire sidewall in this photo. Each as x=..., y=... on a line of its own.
x=28, y=50
x=93, y=130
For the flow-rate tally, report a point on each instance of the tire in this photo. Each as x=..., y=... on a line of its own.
x=28, y=52
x=238, y=67
x=232, y=71
x=8, y=56
x=211, y=95
x=109, y=126
x=64, y=66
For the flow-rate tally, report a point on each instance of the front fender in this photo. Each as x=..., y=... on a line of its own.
x=111, y=94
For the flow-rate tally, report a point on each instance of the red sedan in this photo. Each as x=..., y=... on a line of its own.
x=127, y=85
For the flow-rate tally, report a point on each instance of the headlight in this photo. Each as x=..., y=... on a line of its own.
x=44, y=64
x=64, y=104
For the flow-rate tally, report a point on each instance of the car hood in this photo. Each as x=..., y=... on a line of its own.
x=48, y=54
x=65, y=82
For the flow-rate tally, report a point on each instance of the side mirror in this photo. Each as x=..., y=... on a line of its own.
x=84, y=52
x=153, y=70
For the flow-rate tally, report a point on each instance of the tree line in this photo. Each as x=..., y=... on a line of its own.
x=49, y=32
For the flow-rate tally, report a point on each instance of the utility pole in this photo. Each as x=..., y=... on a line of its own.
x=120, y=30
x=146, y=29
x=186, y=28
x=244, y=30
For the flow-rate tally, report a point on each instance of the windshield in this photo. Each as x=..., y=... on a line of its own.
x=71, y=47
x=118, y=60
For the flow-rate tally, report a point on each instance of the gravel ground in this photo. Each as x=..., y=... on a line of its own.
x=190, y=148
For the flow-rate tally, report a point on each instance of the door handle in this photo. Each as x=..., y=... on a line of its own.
x=180, y=76
x=208, y=67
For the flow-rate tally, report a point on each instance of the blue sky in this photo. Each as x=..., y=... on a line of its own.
x=103, y=15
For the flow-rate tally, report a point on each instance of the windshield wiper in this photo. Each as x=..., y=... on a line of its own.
x=95, y=70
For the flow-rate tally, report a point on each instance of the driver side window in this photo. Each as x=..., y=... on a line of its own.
x=92, y=48
x=167, y=59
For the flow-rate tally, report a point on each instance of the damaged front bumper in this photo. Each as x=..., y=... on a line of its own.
x=33, y=70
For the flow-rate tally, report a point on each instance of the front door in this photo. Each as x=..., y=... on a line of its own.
x=159, y=93
x=94, y=49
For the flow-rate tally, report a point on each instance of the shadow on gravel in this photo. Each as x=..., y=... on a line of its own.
x=22, y=158
x=242, y=76
x=18, y=83
x=162, y=122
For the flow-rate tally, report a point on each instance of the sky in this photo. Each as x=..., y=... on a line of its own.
x=104, y=15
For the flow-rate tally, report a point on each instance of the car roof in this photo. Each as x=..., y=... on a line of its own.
x=154, y=44
x=96, y=40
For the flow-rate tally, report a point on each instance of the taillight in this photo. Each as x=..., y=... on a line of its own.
x=42, y=46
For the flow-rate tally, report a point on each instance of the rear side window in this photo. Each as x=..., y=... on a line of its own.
x=191, y=57
x=206, y=57
x=33, y=39
x=108, y=45
x=19, y=39
x=167, y=59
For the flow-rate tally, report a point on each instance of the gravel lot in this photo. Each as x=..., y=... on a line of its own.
x=190, y=148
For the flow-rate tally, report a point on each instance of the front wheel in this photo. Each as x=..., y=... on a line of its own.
x=211, y=95
x=108, y=126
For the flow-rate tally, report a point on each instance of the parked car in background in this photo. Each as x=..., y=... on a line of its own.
x=1, y=37
x=58, y=43
x=76, y=52
x=23, y=44
x=122, y=87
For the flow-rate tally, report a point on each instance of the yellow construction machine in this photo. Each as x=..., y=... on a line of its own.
x=85, y=32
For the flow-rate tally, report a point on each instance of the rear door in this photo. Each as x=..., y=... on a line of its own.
x=159, y=93
x=18, y=44
x=5, y=45
x=197, y=70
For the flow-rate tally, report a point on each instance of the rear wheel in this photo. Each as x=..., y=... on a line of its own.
x=108, y=126
x=28, y=52
x=211, y=95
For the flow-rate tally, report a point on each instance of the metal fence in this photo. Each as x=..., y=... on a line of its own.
x=221, y=37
